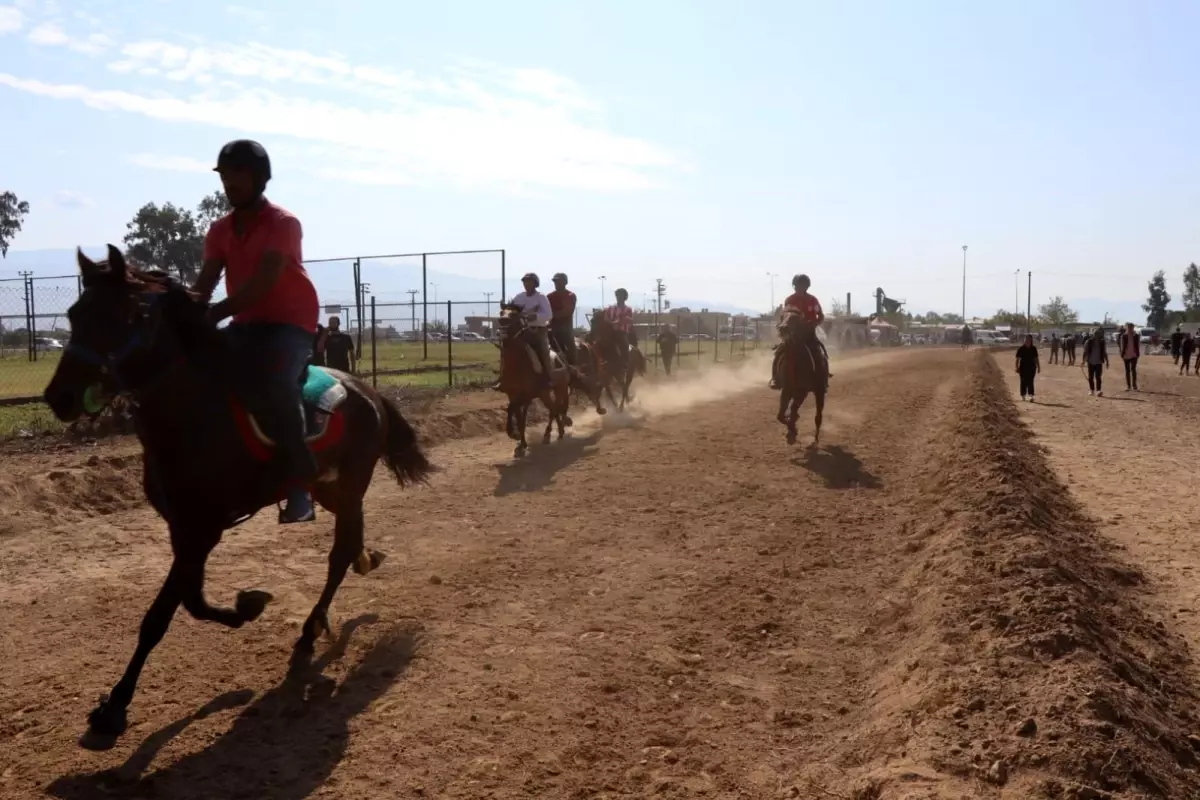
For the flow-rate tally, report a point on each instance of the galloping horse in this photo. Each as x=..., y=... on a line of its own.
x=520, y=374
x=802, y=370
x=604, y=345
x=205, y=459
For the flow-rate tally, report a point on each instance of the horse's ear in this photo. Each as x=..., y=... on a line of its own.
x=87, y=268
x=117, y=269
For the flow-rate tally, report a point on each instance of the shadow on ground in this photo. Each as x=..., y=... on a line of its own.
x=840, y=468
x=283, y=746
x=542, y=463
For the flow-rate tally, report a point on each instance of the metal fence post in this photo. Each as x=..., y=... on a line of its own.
x=424, y=307
x=450, y=343
x=33, y=352
x=374, y=348
x=358, y=309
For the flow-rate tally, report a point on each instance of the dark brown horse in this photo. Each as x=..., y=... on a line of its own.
x=205, y=458
x=521, y=380
x=604, y=354
x=802, y=369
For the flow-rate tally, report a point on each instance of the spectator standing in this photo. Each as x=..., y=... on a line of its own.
x=1186, y=349
x=339, y=347
x=1028, y=366
x=1129, y=344
x=1095, y=357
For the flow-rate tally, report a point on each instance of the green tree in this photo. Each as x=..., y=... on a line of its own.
x=170, y=237
x=1057, y=313
x=1191, y=289
x=12, y=215
x=837, y=309
x=1156, y=304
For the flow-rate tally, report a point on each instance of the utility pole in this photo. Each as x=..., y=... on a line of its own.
x=602, y=294
x=1029, y=303
x=30, y=323
x=964, y=293
x=412, y=305
x=772, y=276
x=659, y=290
x=1016, y=296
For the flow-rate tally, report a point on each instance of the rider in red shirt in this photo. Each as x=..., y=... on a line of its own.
x=274, y=308
x=562, y=324
x=809, y=308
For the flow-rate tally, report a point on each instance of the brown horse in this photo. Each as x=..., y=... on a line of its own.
x=604, y=354
x=206, y=461
x=521, y=380
x=801, y=369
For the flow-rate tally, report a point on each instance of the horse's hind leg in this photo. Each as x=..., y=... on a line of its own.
x=347, y=550
x=819, y=396
x=522, y=414
x=784, y=397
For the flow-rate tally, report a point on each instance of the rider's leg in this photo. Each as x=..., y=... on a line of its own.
x=776, y=361
x=284, y=352
x=541, y=343
x=825, y=353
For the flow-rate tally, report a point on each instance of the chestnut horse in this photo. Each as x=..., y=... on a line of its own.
x=206, y=461
x=521, y=380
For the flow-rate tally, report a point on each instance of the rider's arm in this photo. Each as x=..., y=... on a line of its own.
x=213, y=265
x=284, y=245
x=542, y=309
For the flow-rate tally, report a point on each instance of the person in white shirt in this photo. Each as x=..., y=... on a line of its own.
x=535, y=308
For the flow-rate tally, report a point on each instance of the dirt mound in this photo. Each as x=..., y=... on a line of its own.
x=1032, y=661
x=68, y=486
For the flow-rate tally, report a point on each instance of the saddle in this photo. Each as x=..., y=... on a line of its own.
x=556, y=361
x=322, y=392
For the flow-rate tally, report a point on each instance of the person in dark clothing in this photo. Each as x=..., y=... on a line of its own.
x=668, y=342
x=1028, y=366
x=339, y=347
x=1129, y=345
x=1177, y=343
x=317, y=359
x=1095, y=356
x=1186, y=349
x=1054, y=345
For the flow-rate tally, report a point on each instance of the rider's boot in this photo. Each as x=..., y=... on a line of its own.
x=295, y=464
x=774, y=384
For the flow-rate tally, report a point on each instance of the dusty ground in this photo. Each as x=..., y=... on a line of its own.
x=678, y=605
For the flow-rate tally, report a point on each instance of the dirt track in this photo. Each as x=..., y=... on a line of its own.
x=680, y=607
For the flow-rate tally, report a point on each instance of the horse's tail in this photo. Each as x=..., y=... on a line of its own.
x=402, y=453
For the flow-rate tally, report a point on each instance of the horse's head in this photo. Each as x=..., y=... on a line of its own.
x=511, y=322
x=796, y=327
x=602, y=330
x=118, y=341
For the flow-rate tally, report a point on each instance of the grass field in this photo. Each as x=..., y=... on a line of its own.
x=475, y=363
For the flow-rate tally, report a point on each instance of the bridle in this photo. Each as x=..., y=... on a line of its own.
x=111, y=363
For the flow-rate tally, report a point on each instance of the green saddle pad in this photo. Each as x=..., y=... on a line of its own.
x=322, y=390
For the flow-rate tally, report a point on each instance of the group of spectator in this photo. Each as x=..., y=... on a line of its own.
x=333, y=348
x=1095, y=358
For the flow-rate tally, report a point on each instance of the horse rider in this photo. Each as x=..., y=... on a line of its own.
x=809, y=309
x=535, y=309
x=274, y=308
x=562, y=325
x=620, y=317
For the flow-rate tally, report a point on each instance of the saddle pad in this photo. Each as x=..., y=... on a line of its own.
x=556, y=363
x=322, y=390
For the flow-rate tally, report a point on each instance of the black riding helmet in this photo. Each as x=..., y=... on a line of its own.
x=560, y=276
x=248, y=155
x=621, y=294
x=801, y=282
x=531, y=276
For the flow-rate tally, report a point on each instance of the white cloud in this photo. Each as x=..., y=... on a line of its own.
x=49, y=34
x=11, y=19
x=170, y=163
x=471, y=125
x=69, y=198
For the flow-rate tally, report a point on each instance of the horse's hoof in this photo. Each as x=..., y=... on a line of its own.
x=251, y=604
x=322, y=626
x=546, y=439
x=519, y=452
x=106, y=721
x=782, y=419
x=791, y=438
x=368, y=561
x=567, y=422
x=602, y=411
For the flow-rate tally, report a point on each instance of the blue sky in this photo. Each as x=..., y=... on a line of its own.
x=706, y=143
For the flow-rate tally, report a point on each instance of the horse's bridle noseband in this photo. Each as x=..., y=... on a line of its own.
x=110, y=363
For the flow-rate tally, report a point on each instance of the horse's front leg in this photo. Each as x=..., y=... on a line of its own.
x=549, y=401
x=522, y=414
x=109, y=719
x=510, y=423
x=784, y=398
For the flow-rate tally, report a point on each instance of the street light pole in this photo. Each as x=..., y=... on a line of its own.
x=1016, y=296
x=964, y=292
x=772, y=276
x=412, y=306
x=602, y=294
